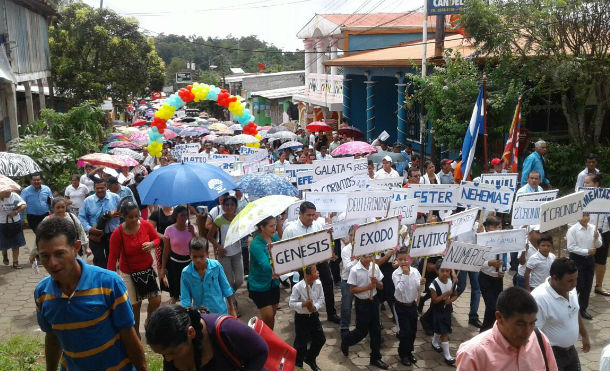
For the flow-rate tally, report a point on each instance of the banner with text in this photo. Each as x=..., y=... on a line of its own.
x=369, y=203
x=253, y=154
x=406, y=208
x=509, y=180
x=538, y=196
x=389, y=183
x=304, y=179
x=597, y=200
x=379, y=235
x=293, y=169
x=564, y=210
x=510, y=240
x=486, y=196
x=199, y=158
x=325, y=168
x=180, y=149
x=339, y=183
x=341, y=228
x=462, y=222
x=327, y=202
x=295, y=253
x=526, y=213
x=429, y=239
x=464, y=256
x=436, y=196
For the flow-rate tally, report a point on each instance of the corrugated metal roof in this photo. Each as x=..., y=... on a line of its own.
x=279, y=93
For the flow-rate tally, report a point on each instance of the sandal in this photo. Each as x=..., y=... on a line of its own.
x=17, y=266
x=5, y=260
x=601, y=291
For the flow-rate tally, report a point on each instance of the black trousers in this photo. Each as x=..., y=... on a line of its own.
x=586, y=271
x=567, y=359
x=308, y=329
x=491, y=287
x=367, y=322
x=406, y=315
x=388, y=284
x=100, y=251
x=326, y=278
x=34, y=220
x=335, y=265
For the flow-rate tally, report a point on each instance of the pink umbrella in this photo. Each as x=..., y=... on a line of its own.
x=119, y=144
x=139, y=137
x=210, y=137
x=105, y=159
x=318, y=126
x=7, y=184
x=169, y=134
x=353, y=148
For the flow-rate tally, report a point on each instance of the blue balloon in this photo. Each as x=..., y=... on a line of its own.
x=175, y=101
x=154, y=129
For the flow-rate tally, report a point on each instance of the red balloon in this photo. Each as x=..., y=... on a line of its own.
x=189, y=87
x=158, y=120
x=186, y=95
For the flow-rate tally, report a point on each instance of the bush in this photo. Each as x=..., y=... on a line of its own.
x=22, y=353
x=565, y=161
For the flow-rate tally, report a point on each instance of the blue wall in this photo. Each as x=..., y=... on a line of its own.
x=376, y=41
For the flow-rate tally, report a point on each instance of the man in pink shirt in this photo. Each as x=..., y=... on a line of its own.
x=512, y=344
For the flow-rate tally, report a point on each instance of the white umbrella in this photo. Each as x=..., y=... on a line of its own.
x=127, y=152
x=291, y=144
x=241, y=139
x=283, y=135
x=245, y=222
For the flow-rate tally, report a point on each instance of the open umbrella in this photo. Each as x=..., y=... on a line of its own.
x=266, y=127
x=105, y=159
x=7, y=184
x=117, y=123
x=194, y=132
x=283, y=135
x=210, y=138
x=277, y=129
x=140, y=123
x=16, y=165
x=169, y=134
x=317, y=126
x=235, y=127
x=351, y=132
x=245, y=222
x=220, y=140
x=127, y=130
x=121, y=144
x=177, y=184
x=224, y=132
x=140, y=137
x=127, y=152
x=258, y=185
x=291, y=145
x=352, y=148
x=218, y=126
x=377, y=157
x=241, y=139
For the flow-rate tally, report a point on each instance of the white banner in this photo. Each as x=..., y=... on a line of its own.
x=379, y=235
x=510, y=240
x=429, y=239
x=462, y=222
x=325, y=168
x=254, y=155
x=564, y=210
x=538, y=196
x=292, y=212
x=370, y=204
x=406, y=208
x=486, y=196
x=254, y=167
x=465, y=256
x=293, y=169
x=526, y=213
x=388, y=183
x=224, y=158
x=597, y=200
x=226, y=164
x=341, y=228
x=180, y=149
x=304, y=179
x=199, y=158
x=436, y=196
x=339, y=183
x=295, y=253
x=327, y=202
x=509, y=180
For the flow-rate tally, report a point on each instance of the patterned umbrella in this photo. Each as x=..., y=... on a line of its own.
x=266, y=127
x=352, y=148
x=245, y=222
x=258, y=185
x=241, y=139
x=120, y=144
x=127, y=152
x=283, y=135
x=317, y=126
x=291, y=144
x=139, y=137
x=224, y=132
x=277, y=129
x=235, y=127
x=104, y=159
x=210, y=137
x=7, y=184
x=194, y=132
x=218, y=127
x=16, y=165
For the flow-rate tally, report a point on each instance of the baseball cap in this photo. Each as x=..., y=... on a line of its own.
x=446, y=161
x=387, y=158
x=496, y=161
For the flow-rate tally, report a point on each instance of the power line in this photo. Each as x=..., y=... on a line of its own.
x=226, y=7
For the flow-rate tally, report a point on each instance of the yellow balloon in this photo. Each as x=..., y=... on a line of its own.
x=258, y=136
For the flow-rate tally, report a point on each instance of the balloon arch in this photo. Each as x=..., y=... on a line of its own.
x=195, y=93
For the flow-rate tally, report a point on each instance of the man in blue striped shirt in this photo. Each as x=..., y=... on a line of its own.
x=84, y=310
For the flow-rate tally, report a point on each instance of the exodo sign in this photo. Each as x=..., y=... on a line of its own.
x=379, y=235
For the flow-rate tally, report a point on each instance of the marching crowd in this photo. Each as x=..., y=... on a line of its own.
x=531, y=326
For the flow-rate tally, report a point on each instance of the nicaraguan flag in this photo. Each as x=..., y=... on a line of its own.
x=470, y=140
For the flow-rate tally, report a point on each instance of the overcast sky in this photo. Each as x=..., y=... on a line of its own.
x=274, y=21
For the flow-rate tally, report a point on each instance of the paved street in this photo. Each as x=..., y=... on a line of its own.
x=18, y=317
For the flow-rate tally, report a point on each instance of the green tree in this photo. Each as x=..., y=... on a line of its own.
x=95, y=54
x=563, y=43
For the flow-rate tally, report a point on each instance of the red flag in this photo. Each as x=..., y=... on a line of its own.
x=261, y=66
x=511, y=150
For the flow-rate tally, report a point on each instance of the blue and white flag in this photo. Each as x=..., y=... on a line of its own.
x=470, y=140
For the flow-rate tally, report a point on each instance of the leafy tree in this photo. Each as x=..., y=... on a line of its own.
x=564, y=44
x=95, y=54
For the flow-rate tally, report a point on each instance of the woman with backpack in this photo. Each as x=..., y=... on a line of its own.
x=190, y=340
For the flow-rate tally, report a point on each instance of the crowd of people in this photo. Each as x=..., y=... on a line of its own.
x=100, y=218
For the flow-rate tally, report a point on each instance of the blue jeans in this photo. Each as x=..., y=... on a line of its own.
x=475, y=292
x=347, y=300
x=519, y=281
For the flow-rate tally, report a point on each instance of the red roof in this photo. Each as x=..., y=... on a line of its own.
x=376, y=19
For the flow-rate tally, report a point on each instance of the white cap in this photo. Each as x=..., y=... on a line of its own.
x=387, y=158
x=110, y=171
x=533, y=227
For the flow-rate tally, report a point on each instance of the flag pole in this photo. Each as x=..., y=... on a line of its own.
x=486, y=163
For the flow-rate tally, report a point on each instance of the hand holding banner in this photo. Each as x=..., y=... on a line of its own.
x=564, y=210
x=506, y=241
x=462, y=222
x=486, y=196
x=465, y=256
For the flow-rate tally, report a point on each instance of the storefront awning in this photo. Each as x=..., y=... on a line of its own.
x=6, y=72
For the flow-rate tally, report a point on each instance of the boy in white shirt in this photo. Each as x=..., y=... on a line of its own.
x=538, y=266
x=364, y=281
x=530, y=249
x=347, y=298
x=306, y=299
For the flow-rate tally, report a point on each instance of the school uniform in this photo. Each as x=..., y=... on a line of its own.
x=367, y=310
x=405, y=308
x=307, y=326
x=491, y=287
x=540, y=268
x=441, y=313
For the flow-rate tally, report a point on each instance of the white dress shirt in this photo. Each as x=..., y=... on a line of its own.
x=528, y=189
x=382, y=174
x=406, y=285
x=299, y=295
x=426, y=179
x=84, y=180
x=359, y=276
x=296, y=228
x=540, y=268
x=580, y=180
x=347, y=261
x=580, y=239
x=557, y=316
x=77, y=196
x=531, y=250
x=489, y=270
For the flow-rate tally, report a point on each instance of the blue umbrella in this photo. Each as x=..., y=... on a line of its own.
x=258, y=185
x=177, y=184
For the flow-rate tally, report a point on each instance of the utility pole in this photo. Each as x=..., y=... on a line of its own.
x=422, y=121
x=101, y=4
